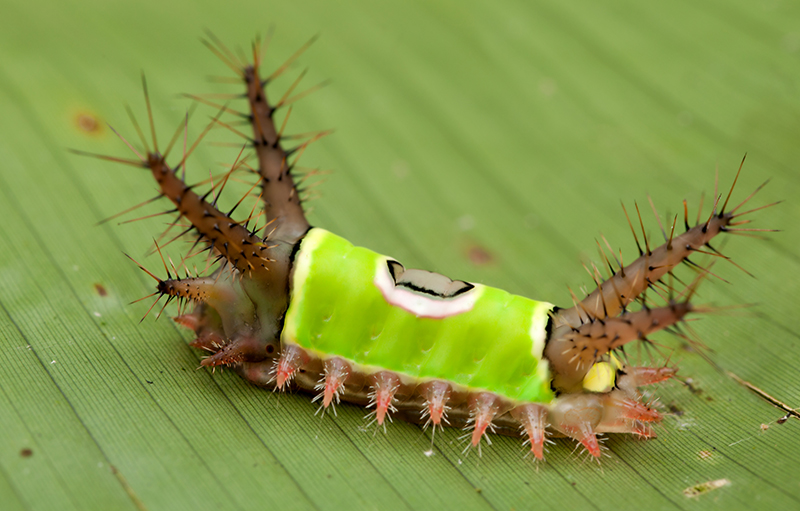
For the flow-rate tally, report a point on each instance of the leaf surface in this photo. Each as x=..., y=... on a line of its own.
x=490, y=142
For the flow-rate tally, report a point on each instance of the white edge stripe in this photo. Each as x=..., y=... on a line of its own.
x=419, y=305
x=538, y=329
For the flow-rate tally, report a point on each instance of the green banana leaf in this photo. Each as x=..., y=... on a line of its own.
x=491, y=141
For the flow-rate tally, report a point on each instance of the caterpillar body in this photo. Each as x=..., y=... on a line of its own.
x=301, y=307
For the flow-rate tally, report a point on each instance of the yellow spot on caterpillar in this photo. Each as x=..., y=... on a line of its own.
x=602, y=375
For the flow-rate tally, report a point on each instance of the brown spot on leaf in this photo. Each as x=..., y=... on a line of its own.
x=88, y=123
x=674, y=409
x=704, y=455
x=479, y=256
x=100, y=290
x=26, y=452
x=692, y=387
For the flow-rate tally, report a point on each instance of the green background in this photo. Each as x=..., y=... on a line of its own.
x=490, y=141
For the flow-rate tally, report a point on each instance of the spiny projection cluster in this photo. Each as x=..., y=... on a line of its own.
x=241, y=307
x=229, y=324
